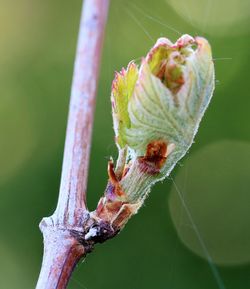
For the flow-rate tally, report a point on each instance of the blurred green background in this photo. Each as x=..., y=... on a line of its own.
x=159, y=248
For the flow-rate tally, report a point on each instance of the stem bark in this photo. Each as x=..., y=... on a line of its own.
x=63, y=230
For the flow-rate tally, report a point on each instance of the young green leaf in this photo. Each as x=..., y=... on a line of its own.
x=157, y=109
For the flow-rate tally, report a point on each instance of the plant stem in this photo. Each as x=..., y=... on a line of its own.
x=72, y=194
x=62, y=248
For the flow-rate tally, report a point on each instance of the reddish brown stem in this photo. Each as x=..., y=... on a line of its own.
x=61, y=253
x=72, y=194
x=62, y=249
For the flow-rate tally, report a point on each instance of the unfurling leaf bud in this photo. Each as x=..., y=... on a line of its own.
x=157, y=108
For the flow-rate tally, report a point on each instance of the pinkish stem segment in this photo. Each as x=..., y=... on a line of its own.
x=62, y=249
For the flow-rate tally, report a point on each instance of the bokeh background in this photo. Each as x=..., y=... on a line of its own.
x=194, y=230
